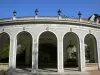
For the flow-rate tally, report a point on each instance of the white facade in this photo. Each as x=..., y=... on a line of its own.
x=59, y=26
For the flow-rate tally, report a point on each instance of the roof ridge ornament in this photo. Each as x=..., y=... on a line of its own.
x=79, y=14
x=59, y=12
x=14, y=14
x=36, y=11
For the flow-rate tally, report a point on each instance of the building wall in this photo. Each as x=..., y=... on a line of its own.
x=58, y=29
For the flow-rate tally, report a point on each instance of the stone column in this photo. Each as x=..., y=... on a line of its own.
x=35, y=55
x=82, y=55
x=60, y=54
x=98, y=53
x=12, y=54
x=95, y=53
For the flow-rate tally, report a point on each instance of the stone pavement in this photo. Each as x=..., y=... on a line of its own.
x=95, y=72
x=68, y=71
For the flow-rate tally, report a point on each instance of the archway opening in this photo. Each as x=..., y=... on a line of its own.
x=24, y=50
x=90, y=49
x=71, y=50
x=4, y=50
x=47, y=56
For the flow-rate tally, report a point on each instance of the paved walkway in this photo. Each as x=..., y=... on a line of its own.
x=47, y=71
x=94, y=72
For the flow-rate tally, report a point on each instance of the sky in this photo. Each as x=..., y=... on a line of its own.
x=49, y=7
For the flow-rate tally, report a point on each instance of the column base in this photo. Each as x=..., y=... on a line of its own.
x=34, y=71
x=61, y=70
x=83, y=70
x=99, y=66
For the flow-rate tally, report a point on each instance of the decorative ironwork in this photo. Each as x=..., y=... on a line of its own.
x=23, y=28
x=47, y=28
x=70, y=29
x=89, y=31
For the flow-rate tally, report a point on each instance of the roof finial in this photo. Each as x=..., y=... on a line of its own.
x=36, y=11
x=79, y=14
x=59, y=12
x=14, y=13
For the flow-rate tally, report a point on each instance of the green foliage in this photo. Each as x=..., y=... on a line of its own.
x=21, y=47
x=5, y=51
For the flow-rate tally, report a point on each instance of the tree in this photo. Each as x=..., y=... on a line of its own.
x=5, y=50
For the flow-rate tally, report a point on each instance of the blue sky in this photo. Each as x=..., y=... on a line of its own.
x=49, y=7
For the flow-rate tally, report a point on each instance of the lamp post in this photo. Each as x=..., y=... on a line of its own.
x=36, y=11
x=79, y=14
x=59, y=14
x=14, y=14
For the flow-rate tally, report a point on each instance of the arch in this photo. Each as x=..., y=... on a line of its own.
x=72, y=33
x=90, y=48
x=5, y=33
x=4, y=48
x=47, y=52
x=92, y=35
x=71, y=48
x=24, y=49
x=48, y=32
x=45, y=32
x=23, y=32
